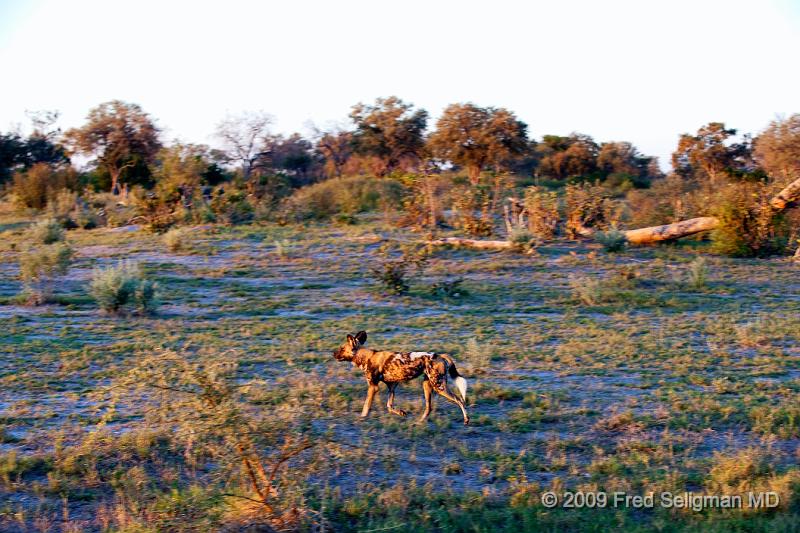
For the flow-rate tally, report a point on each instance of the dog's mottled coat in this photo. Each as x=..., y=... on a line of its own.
x=394, y=368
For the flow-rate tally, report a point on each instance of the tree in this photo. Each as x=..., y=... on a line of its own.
x=389, y=130
x=121, y=137
x=180, y=170
x=567, y=157
x=623, y=159
x=20, y=154
x=711, y=155
x=336, y=146
x=478, y=137
x=293, y=156
x=777, y=149
x=243, y=136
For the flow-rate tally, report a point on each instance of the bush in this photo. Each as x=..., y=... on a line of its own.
x=697, y=273
x=117, y=287
x=40, y=268
x=522, y=240
x=392, y=271
x=46, y=231
x=346, y=196
x=749, y=226
x=589, y=206
x=176, y=239
x=542, y=209
x=449, y=288
x=613, y=240
x=35, y=187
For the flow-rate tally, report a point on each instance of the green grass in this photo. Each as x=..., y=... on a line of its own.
x=655, y=383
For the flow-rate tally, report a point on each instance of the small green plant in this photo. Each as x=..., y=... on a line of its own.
x=588, y=291
x=449, y=288
x=176, y=239
x=522, y=240
x=613, y=240
x=285, y=248
x=697, y=273
x=46, y=231
x=478, y=357
x=392, y=271
x=117, y=287
x=40, y=268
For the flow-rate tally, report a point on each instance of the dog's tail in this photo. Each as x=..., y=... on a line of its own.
x=458, y=381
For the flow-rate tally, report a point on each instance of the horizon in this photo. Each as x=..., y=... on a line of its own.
x=199, y=65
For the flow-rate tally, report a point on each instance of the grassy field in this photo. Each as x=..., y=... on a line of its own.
x=643, y=371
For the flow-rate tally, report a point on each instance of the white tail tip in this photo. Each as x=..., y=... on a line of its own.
x=461, y=385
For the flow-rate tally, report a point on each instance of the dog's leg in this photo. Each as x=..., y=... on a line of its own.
x=390, y=403
x=445, y=391
x=373, y=389
x=427, y=389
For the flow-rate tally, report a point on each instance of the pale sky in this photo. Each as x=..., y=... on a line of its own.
x=641, y=71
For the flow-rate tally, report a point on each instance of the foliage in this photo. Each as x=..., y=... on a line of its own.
x=522, y=240
x=231, y=205
x=38, y=185
x=710, y=155
x=115, y=288
x=41, y=267
x=449, y=288
x=122, y=138
x=250, y=453
x=749, y=226
x=476, y=206
x=342, y=195
x=46, y=231
x=777, y=149
x=542, y=210
x=394, y=264
x=697, y=273
x=176, y=239
x=478, y=137
x=612, y=240
x=589, y=206
x=390, y=130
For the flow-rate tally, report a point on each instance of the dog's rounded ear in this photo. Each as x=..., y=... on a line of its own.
x=361, y=337
x=351, y=340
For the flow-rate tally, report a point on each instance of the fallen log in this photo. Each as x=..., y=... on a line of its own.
x=666, y=232
x=472, y=243
x=669, y=232
x=791, y=193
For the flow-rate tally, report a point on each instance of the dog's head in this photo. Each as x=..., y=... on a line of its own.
x=346, y=351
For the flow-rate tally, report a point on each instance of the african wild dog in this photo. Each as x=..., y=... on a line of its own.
x=394, y=368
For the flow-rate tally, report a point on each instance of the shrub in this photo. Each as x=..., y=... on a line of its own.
x=46, y=231
x=522, y=240
x=749, y=226
x=176, y=239
x=449, y=288
x=697, y=273
x=589, y=206
x=40, y=268
x=346, y=196
x=285, y=249
x=613, y=240
x=392, y=271
x=543, y=214
x=477, y=356
x=116, y=287
x=39, y=184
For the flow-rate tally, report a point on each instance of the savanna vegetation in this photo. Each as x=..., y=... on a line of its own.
x=169, y=312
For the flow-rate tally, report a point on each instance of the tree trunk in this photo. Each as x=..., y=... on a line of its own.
x=788, y=195
x=669, y=232
x=472, y=243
